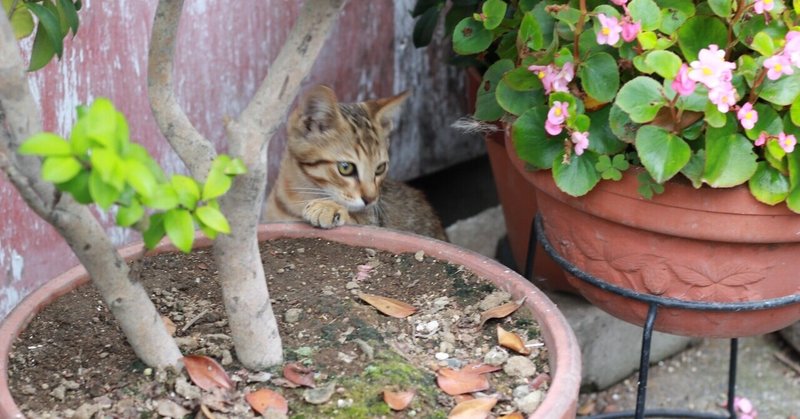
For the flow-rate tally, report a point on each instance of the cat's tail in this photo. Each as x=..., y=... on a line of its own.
x=470, y=125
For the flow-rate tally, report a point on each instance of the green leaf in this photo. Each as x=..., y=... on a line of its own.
x=522, y=79
x=101, y=123
x=721, y=8
x=577, y=177
x=641, y=99
x=163, y=198
x=699, y=32
x=783, y=91
x=713, y=116
x=671, y=20
x=213, y=218
x=155, y=231
x=768, y=185
x=601, y=136
x=49, y=22
x=471, y=37
x=486, y=106
x=763, y=44
x=208, y=231
x=425, y=26
x=530, y=33
x=621, y=125
x=665, y=63
x=235, y=167
x=187, y=190
x=103, y=193
x=179, y=226
x=21, y=21
x=494, y=12
x=646, y=12
x=793, y=200
x=217, y=183
x=59, y=169
x=45, y=144
x=70, y=14
x=600, y=77
x=694, y=169
x=768, y=121
x=648, y=40
x=516, y=102
x=78, y=187
x=42, y=51
x=794, y=111
x=421, y=6
x=532, y=143
x=138, y=175
x=130, y=215
x=569, y=15
x=662, y=153
x=105, y=162
x=730, y=161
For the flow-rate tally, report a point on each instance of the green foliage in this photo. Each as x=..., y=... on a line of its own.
x=54, y=20
x=99, y=164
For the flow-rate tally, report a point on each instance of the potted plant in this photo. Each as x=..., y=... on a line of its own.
x=635, y=112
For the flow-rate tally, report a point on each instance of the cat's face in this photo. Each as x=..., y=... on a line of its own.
x=342, y=149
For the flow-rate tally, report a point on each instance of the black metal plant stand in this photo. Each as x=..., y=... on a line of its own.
x=654, y=302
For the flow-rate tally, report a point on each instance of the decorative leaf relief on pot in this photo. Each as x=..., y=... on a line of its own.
x=709, y=281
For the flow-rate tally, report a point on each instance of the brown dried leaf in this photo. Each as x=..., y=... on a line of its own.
x=207, y=412
x=398, y=400
x=282, y=382
x=511, y=341
x=261, y=400
x=463, y=397
x=388, y=306
x=299, y=374
x=539, y=381
x=473, y=409
x=501, y=311
x=455, y=382
x=480, y=368
x=586, y=409
x=512, y=415
x=170, y=325
x=206, y=373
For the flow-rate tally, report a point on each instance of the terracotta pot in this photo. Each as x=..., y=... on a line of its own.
x=565, y=358
x=703, y=245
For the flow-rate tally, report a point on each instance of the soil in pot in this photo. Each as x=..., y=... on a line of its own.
x=72, y=360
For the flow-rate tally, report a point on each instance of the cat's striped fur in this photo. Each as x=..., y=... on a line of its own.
x=335, y=165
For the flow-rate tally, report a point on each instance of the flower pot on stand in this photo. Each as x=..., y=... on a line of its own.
x=698, y=245
x=564, y=355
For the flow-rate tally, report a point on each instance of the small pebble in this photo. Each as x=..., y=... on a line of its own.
x=496, y=356
x=520, y=366
x=530, y=402
x=419, y=256
x=441, y=356
x=351, y=285
x=293, y=315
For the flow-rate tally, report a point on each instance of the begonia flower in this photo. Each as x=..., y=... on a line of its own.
x=747, y=116
x=787, y=142
x=609, y=30
x=711, y=68
x=778, y=65
x=723, y=95
x=682, y=84
x=761, y=6
x=556, y=117
x=630, y=30
x=581, y=141
x=762, y=139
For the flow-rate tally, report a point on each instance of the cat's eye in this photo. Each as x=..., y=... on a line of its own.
x=346, y=168
x=381, y=169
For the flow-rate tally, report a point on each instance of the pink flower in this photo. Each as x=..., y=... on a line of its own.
x=682, y=83
x=562, y=78
x=792, y=48
x=723, y=95
x=778, y=65
x=619, y=2
x=744, y=408
x=762, y=139
x=581, y=141
x=545, y=74
x=556, y=117
x=762, y=6
x=787, y=142
x=711, y=67
x=609, y=30
x=747, y=116
x=630, y=30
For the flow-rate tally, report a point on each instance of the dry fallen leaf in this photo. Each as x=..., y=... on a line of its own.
x=207, y=412
x=462, y=398
x=511, y=341
x=501, y=311
x=539, y=381
x=206, y=373
x=398, y=400
x=261, y=400
x=473, y=409
x=170, y=325
x=299, y=374
x=512, y=415
x=481, y=368
x=388, y=306
x=586, y=409
x=455, y=382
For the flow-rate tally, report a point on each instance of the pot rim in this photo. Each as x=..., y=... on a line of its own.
x=563, y=348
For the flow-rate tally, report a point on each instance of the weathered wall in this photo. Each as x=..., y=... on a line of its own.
x=223, y=53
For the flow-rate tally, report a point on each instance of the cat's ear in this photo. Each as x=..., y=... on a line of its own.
x=318, y=110
x=385, y=110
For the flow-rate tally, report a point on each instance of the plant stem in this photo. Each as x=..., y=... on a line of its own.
x=578, y=30
x=756, y=84
x=741, y=6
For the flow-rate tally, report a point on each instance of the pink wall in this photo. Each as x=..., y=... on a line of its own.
x=223, y=54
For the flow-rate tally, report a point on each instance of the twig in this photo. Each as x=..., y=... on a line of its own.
x=194, y=320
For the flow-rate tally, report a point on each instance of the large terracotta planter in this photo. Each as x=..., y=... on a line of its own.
x=707, y=245
x=565, y=359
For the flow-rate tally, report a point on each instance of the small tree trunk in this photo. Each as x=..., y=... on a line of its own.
x=127, y=299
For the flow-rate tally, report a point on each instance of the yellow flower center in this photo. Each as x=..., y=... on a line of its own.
x=605, y=31
x=748, y=115
x=707, y=71
x=778, y=68
x=540, y=74
x=767, y=2
x=558, y=111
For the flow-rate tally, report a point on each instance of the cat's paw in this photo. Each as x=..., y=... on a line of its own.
x=325, y=214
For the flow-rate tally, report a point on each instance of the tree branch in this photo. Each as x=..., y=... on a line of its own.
x=192, y=147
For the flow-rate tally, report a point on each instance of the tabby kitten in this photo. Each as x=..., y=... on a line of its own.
x=334, y=169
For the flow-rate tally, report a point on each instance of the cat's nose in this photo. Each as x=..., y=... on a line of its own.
x=367, y=199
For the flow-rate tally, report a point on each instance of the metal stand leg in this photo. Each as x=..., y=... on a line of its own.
x=732, y=376
x=529, y=257
x=644, y=360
